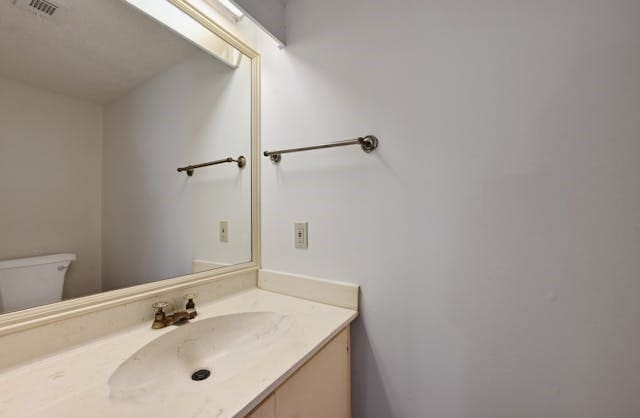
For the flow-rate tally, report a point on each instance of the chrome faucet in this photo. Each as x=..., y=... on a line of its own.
x=162, y=320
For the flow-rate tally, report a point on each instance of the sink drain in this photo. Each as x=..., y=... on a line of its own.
x=201, y=374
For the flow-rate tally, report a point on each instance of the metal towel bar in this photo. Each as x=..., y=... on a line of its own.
x=190, y=168
x=367, y=143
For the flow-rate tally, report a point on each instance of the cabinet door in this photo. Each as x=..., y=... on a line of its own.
x=322, y=387
x=267, y=409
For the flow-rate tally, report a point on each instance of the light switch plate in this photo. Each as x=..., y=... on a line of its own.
x=224, y=231
x=301, y=235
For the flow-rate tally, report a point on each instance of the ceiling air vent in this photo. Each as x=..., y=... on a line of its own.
x=43, y=6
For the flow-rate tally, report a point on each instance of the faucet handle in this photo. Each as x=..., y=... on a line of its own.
x=191, y=306
x=160, y=317
x=160, y=305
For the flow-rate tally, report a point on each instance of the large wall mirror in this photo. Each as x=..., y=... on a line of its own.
x=101, y=103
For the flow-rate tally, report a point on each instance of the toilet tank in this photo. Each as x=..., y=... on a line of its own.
x=33, y=281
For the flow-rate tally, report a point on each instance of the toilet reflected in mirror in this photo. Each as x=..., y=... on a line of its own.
x=32, y=281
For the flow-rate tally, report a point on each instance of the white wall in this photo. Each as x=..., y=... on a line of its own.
x=495, y=232
x=156, y=220
x=50, y=177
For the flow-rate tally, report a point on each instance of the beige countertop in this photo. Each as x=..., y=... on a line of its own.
x=74, y=383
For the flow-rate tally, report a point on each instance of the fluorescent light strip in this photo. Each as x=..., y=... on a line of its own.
x=235, y=10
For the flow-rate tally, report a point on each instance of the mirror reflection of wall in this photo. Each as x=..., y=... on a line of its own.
x=99, y=105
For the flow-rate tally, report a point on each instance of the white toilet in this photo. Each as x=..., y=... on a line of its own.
x=33, y=281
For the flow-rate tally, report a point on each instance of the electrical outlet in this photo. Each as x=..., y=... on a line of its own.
x=301, y=234
x=224, y=231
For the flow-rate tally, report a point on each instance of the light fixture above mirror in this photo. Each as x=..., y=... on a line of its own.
x=227, y=7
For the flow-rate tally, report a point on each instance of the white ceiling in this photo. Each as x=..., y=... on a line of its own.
x=95, y=50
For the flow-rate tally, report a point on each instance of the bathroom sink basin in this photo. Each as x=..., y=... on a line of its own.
x=198, y=353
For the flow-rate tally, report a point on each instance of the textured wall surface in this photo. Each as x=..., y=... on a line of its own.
x=496, y=231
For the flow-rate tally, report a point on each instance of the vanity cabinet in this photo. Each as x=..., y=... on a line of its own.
x=321, y=388
x=267, y=409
